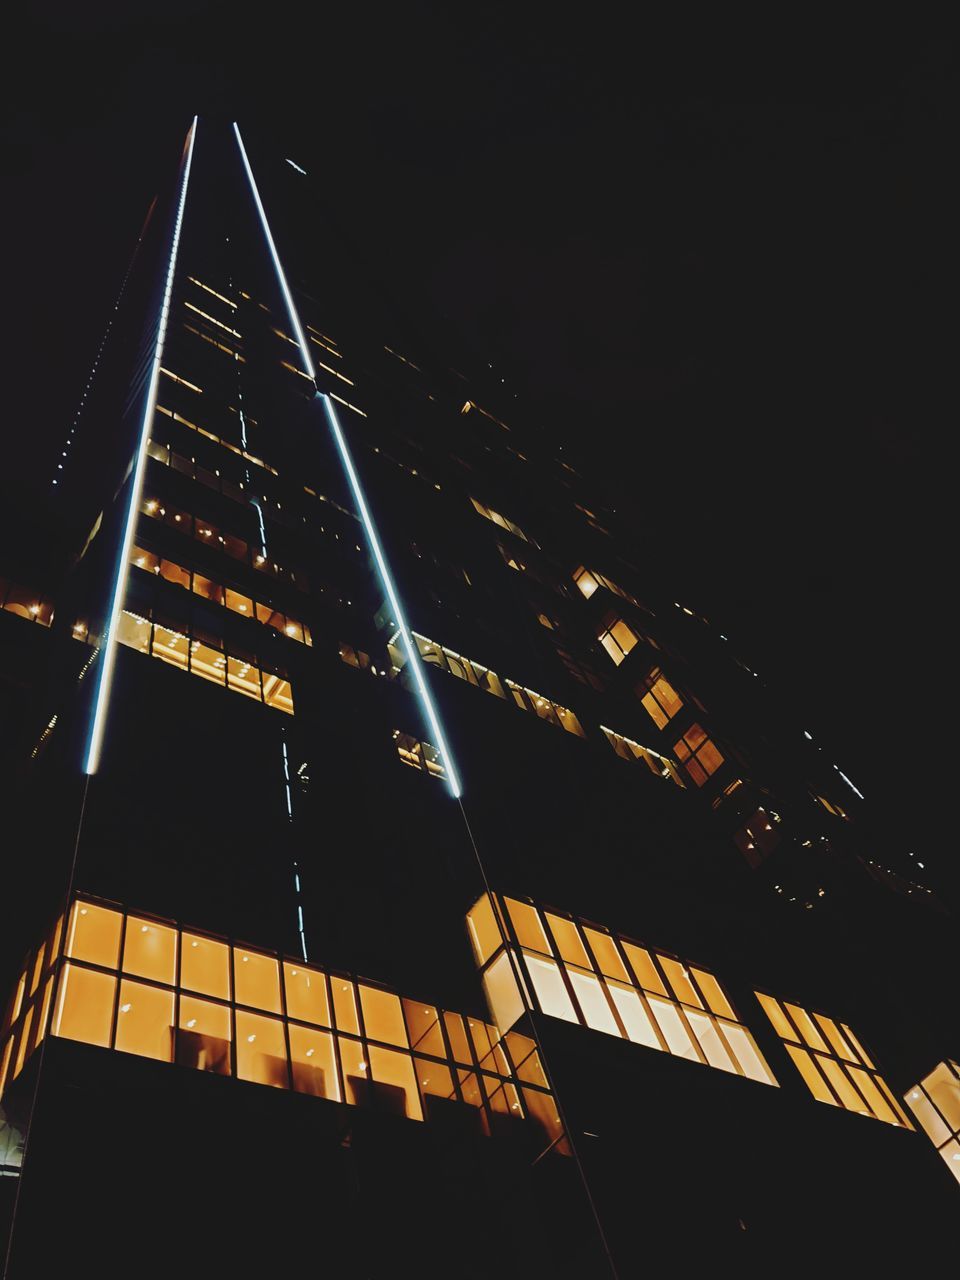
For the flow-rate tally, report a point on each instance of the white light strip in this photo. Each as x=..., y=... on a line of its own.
x=287, y=297
x=108, y=645
x=413, y=654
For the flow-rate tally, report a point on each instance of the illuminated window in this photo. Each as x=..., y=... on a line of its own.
x=698, y=754
x=205, y=966
x=313, y=1063
x=204, y=1036
x=617, y=639
x=261, y=1050
x=502, y=521
x=382, y=1016
x=145, y=1021
x=832, y=1062
x=655, y=762
x=417, y=754
x=611, y=985
x=588, y=581
x=935, y=1102
x=150, y=950
x=256, y=980
x=84, y=1009
x=659, y=698
x=94, y=934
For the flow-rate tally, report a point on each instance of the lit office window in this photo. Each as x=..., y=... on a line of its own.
x=627, y=749
x=588, y=580
x=581, y=973
x=834, y=1066
x=419, y=755
x=617, y=639
x=238, y=1011
x=698, y=754
x=659, y=698
x=500, y=520
x=935, y=1102
x=25, y=603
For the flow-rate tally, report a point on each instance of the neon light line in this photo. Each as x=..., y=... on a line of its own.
x=108, y=645
x=373, y=539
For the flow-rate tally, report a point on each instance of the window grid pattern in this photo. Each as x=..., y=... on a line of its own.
x=588, y=580
x=419, y=755
x=216, y=592
x=627, y=749
x=583, y=973
x=437, y=655
x=698, y=754
x=153, y=989
x=659, y=698
x=618, y=639
x=935, y=1102
x=204, y=655
x=832, y=1061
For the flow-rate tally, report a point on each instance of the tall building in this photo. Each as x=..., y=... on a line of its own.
x=316, y=956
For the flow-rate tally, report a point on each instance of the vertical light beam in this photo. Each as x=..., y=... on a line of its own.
x=108, y=645
x=373, y=539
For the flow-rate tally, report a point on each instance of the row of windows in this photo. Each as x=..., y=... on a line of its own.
x=25, y=603
x=630, y=750
x=834, y=1065
x=935, y=1101
x=145, y=987
x=419, y=755
x=220, y=440
x=502, y=521
x=217, y=593
x=587, y=975
x=588, y=580
x=202, y=654
x=483, y=678
x=211, y=536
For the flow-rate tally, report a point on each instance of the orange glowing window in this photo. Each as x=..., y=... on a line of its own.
x=205, y=966
x=659, y=698
x=394, y=1072
x=261, y=1050
x=617, y=639
x=306, y=994
x=256, y=980
x=94, y=934
x=150, y=950
x=314, y=1063
x=204, y=1036
x=382, y=1016
x=84, y=1009
x=423, y=1026
x=145, y=1021
x=698, y=754
x=345, y=1005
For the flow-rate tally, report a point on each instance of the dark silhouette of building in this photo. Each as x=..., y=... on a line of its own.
x=398, y=878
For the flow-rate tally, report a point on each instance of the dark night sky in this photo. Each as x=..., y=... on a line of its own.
x=717, y=255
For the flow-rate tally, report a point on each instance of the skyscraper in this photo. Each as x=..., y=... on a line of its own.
x=317, y=957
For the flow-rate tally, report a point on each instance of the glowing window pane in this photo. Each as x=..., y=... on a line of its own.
x=944, y=1088
x=25, y=1046
x=314, y=1064
x=382, y=1016
x=239, y=603
x=306, y=991
x=593, y=1003
x=395, y=1070
x=256, y=980
x=714, y=1050
x=356, y=1071
x=423, y=1026
x=852, y=1039
x=931, y=1121
x=145, y=1021
x=133, y=631
x=207, y=662
x=747, y=1054
x=503, y=995
x=261, y=1050
x=713, y=994
x=548, y=984
x=345, y=1005
x=542, y=1108
x=84, y=1006
x=808, y=1028
x=276, y=693
x=634, y=1016
x=781, y=1023
x=243, y=677
x=484, y=930
x=435, y=1080
x=568, y=941
x=205, y=966
x=607, y=955
x=203, y=1036
x=470, y=1088
x=94, y=934
x=679, y=979
x=654, y=710
x=150, y=950
x=647, y=975
x=527, y=924
x=875, y=1100
x=814, y=1080
x=674, y=1032
x=842, y=1084
x=457, y=1035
